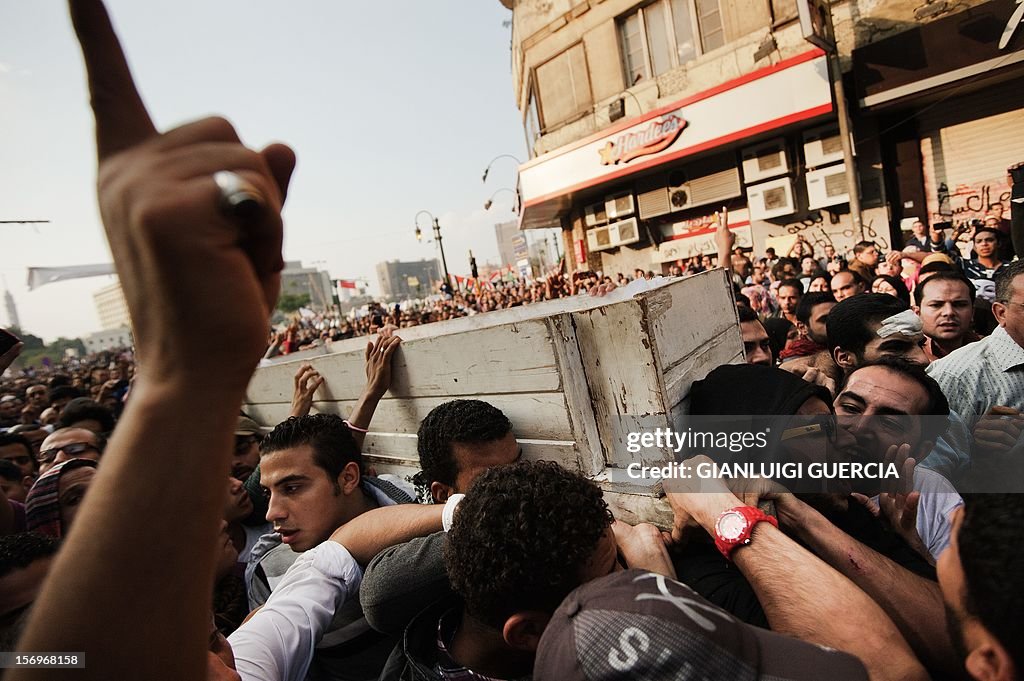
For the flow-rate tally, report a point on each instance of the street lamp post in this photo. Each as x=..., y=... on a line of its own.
x=488, y=168
x=490, y=202
x=437, y=236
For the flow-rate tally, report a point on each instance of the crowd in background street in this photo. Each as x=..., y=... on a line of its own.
x=148, y=524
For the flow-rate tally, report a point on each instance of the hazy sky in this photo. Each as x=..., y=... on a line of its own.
x=392, y=107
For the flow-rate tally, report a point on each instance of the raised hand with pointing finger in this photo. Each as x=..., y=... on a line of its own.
x=198, y=253
x=168, y=226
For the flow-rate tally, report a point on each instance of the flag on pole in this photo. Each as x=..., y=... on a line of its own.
x=40, y=276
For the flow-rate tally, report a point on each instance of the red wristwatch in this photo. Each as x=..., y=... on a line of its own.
x=733, y=527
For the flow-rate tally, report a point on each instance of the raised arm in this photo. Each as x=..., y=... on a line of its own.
x=378, y=380
x=724, y=240
x=200, y=286
x=913, y=603
x=801, y=595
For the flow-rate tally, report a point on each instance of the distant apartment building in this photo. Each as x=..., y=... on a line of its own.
x=308, y=281
x=645, y=118
x=408, y=279
x=108, y=339
x=505, y=234
x=111, y=307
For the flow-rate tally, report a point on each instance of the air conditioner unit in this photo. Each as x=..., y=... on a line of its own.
x=625, y=232
x=595, y=214
x=764, y=161
x=827, y=187
x=715, y=187
x=679, y=197
x=614, y=235
x=653, y=203
x=771, y=199
x=822, y=146
x=599, y=239
x=619, y=206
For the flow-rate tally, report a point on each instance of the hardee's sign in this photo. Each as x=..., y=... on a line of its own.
x=653, y=137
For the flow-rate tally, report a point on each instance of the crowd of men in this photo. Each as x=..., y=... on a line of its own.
x=164, y=535
x=977, y=250
x=314, y=329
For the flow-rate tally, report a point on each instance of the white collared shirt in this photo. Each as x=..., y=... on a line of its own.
x=981, y=375
x=278, y=642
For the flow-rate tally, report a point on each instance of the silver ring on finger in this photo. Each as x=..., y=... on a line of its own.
x=239, y=198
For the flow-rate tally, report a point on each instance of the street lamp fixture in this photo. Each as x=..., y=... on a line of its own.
x=490, y=202
x=488, y=169
x=437, y=236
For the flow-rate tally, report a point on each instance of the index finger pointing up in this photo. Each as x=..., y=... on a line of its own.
x=121, y=117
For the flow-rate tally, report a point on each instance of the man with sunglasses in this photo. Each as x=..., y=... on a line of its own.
x=69, y=443
x=843, y=533
x=894, y=411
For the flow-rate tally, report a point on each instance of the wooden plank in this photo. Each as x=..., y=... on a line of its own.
x=626, y=386
x=399, y=447
x=539, y=416
x=685, y=319
x=577, y=396
x=726, y=348
x=518, y=357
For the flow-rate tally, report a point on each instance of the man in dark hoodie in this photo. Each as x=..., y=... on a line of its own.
x=799, y=420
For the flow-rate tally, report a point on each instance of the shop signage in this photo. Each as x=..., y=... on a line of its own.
x=772, y=97
x=651, y=138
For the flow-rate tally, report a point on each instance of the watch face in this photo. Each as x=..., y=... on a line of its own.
x=730, y=525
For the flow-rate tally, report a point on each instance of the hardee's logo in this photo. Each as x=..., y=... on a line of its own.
x=657, y=136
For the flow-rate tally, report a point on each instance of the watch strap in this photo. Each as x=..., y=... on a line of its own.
x=752, y=515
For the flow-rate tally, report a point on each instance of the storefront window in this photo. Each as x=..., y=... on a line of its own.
x=563, y=86
x=709, y=16
x=660, y=36
x=532, y=124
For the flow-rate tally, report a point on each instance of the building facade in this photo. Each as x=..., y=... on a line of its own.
x=506, y=234
x=309, y=281
x=111, y=307
x=645, y=118
x=401, y=280
x=108, y=339
x=948, y=98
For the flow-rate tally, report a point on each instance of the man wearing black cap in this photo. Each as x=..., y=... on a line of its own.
x=841, y=532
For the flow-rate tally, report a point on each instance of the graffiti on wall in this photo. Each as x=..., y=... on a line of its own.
x=820, y=230
x=968, y=201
